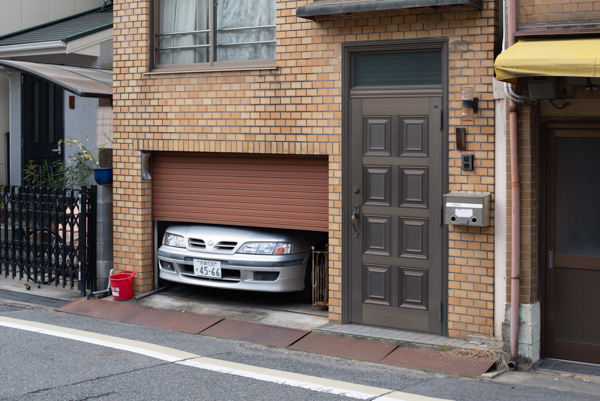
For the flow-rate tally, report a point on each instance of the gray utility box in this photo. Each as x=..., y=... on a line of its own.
x=467, y=208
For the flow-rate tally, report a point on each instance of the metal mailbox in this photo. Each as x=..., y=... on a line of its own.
x=467, y=208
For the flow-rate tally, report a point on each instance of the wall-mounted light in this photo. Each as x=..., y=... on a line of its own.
x=470, y=104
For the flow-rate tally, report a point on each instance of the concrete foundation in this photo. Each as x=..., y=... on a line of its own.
x=104, y=236
x=529, y=332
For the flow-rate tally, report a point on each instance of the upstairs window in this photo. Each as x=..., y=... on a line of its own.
x=214, y=33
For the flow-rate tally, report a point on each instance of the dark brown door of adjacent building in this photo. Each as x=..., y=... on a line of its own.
x=42, y=121
x=572, y=273
x=395, y=199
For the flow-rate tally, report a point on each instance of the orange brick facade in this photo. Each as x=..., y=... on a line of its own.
x=297, y=109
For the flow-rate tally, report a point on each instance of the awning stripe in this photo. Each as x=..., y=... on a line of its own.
x=555, y=58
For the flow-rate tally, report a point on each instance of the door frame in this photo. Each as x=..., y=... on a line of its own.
x=548, y=124
x=348, y=49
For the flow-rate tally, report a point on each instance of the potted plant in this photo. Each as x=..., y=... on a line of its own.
x=81, y=160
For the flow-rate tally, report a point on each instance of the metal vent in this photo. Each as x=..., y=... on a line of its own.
x=226, y=245
x=197, y=243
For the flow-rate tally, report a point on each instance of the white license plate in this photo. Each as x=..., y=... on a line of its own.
x=207, y=268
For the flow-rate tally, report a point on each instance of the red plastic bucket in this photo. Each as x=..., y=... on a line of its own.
x=121, y=285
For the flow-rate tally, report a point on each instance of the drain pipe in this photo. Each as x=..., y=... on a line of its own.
x=515, y=267
x=106, y=292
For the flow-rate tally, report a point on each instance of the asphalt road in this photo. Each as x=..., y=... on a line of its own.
x=43, y=358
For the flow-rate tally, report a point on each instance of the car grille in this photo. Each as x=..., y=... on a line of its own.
x=196, y=243
x=226, y=246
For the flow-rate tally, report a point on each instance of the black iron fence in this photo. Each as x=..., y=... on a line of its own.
x=48, y=236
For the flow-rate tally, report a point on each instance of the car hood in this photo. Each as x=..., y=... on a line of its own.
x=301, y=240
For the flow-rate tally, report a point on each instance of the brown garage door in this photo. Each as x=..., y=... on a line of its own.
x=251, y=190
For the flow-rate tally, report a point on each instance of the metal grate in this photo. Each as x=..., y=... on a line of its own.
x=127, y=312
x=344, y=347
x=255, y=333
x=422, y=359
x=320, y=277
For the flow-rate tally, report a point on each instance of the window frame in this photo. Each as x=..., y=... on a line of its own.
x=212, y=65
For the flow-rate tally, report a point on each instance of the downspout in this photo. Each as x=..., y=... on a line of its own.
x=515, y=268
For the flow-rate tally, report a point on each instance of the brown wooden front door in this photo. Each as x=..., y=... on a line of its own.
x=395, y=199
x=572, y=268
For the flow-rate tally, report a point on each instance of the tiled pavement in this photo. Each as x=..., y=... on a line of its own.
x=375, y=345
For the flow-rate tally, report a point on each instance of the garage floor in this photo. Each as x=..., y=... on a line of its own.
x=285, y=310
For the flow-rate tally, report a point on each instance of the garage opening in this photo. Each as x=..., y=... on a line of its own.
x=258, y=191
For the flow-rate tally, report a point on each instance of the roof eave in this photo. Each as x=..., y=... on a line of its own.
x=31, y=49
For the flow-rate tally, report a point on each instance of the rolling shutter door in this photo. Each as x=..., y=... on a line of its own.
x=235, y=189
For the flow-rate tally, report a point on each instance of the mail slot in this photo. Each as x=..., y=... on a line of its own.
x=467, y=208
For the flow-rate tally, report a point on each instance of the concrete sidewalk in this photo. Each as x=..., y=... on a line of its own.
x=281, y=321
x=443, y=360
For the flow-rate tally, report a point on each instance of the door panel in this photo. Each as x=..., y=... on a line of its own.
x=42, y=121
x=396, y=182
x=572, y=307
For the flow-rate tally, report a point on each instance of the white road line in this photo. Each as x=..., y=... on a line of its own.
x=172, y=355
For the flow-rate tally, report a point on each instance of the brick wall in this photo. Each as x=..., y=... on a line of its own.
x=528, y=148
x=549, y=12
x=296, y=109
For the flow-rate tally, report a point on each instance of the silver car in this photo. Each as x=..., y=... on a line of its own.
x=241, y=258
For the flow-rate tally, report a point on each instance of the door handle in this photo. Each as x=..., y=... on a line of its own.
x=551, y=260
x=57, y=150
x=355, y=216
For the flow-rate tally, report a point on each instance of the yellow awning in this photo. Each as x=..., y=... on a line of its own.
x=555, y=58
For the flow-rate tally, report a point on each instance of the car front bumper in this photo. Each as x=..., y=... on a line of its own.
x=268, y=273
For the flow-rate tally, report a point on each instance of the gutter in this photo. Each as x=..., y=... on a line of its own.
x=57, y=46
x=515, y=267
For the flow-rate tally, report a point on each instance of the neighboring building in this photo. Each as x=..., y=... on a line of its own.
x=18, y=15
x=362, y=98
x=552, y=57
x=50, y=85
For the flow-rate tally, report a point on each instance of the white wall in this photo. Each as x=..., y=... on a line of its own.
x=81, y=122
x=500, y=209
x=21, y=14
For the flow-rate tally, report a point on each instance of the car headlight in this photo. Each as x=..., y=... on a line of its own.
x=173, y=240
x=266, y=248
